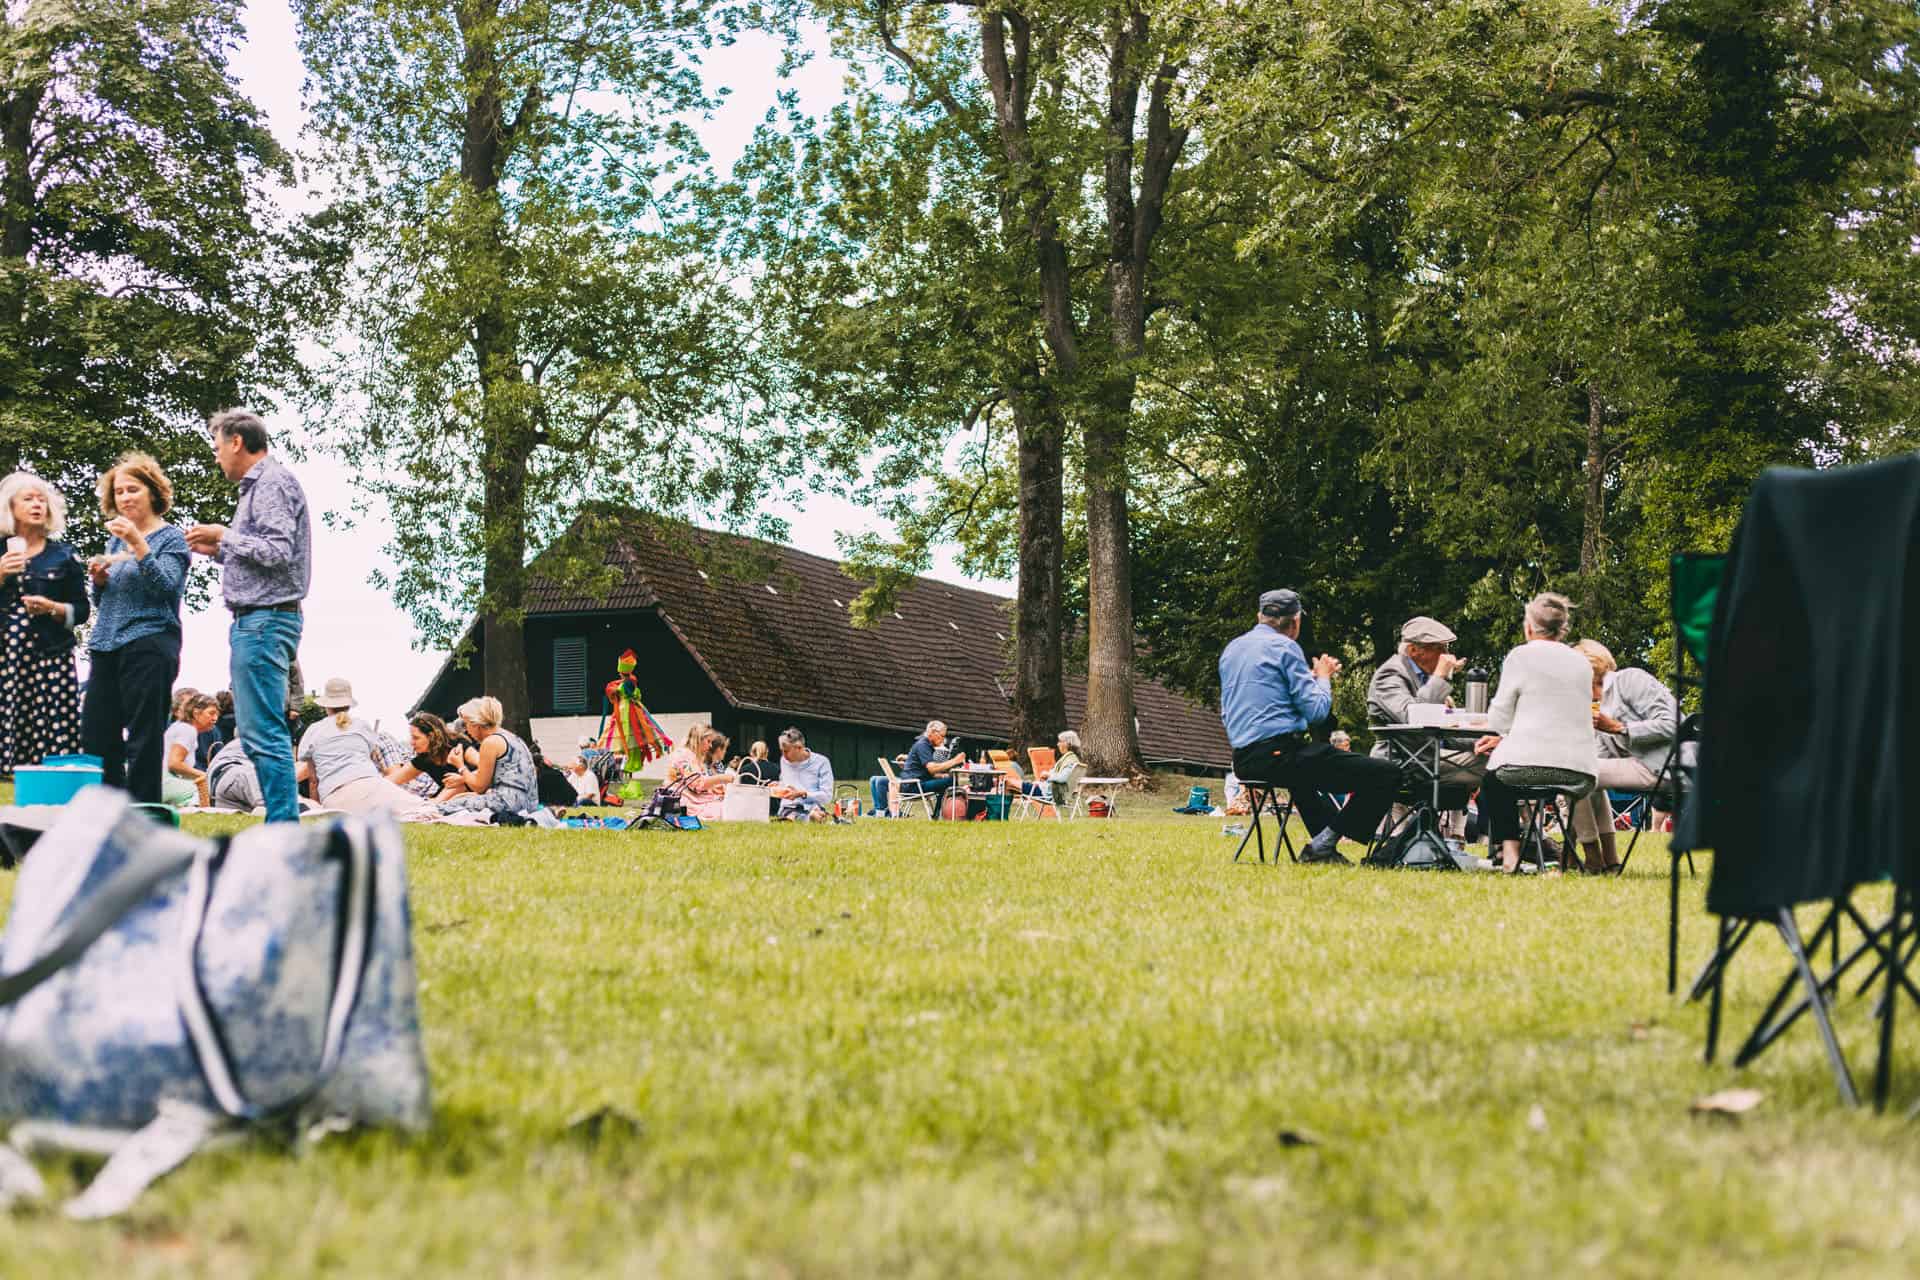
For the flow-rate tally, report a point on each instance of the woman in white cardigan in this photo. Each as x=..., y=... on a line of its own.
x=1542, y=718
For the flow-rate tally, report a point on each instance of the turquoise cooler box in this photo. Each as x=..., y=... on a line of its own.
x=53, y=784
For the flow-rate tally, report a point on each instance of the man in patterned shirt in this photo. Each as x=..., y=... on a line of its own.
x=266, y=560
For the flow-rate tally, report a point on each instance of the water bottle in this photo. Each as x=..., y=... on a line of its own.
x=1477, y=691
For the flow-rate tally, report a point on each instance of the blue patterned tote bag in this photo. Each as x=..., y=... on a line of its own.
x=159, y=991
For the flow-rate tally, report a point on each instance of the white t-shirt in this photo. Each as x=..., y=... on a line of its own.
x=339, y=755
x=181, y=734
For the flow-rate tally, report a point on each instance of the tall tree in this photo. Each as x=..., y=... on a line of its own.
x=891, y=265
x=1073, y=109
x=536, y=316
x=137, y=246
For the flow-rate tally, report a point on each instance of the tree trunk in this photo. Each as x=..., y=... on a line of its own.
x=1111, y=737
x=1039, y=681
x=507, y=439
x=1593, y=517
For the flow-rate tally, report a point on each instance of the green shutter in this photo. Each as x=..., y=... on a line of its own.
x=570, y=673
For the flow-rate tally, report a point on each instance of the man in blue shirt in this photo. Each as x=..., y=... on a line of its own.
x=931, y=766
x=266, y=561
x=1269, y=695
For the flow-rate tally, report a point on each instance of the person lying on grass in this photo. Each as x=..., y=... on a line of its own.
x=805, y=788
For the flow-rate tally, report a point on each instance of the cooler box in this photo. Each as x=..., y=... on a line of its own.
x=997, y=806
x=53, y=784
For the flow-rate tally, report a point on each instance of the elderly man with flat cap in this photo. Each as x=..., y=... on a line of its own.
x=1269, y=695
x=1421, y=671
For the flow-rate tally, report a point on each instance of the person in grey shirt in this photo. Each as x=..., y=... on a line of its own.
x=1635, y=718
x=232, y=782
x=1421, y=671
x=266, y=562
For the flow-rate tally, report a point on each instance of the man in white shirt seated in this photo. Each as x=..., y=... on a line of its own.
x=805, y=789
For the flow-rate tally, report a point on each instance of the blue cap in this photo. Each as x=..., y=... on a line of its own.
x=1280, y=603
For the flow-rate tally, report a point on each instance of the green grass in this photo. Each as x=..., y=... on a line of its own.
x=1035, y=1049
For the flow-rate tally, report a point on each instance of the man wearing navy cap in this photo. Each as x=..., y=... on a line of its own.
x=1269, y=695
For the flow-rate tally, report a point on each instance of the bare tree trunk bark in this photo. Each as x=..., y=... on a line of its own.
x=1039, y=680
x=507, y=438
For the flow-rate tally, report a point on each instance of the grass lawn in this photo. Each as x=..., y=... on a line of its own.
x=1035, y=1049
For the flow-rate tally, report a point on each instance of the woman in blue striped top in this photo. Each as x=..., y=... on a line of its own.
x=135, y=641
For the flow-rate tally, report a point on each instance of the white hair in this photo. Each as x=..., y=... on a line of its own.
x=1070, y=740
x=792, y=738
x=935, y=726
x=26, y=482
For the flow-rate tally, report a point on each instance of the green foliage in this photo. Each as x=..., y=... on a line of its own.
x=139, y=260
x=533, y=318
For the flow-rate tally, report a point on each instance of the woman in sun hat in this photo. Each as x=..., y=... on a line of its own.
x=344, y=753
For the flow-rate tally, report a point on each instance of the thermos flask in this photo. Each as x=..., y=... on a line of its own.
x=1476, y=691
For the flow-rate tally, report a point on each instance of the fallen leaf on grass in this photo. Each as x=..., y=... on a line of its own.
x=1297, y=1138
x=1638, y=1031
x=442, y=928
x=1728, y=1102
x=1537, y=1118
x=604, y=1124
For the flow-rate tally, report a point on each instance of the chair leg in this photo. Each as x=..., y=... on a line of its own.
x=1673, y=922
x=1790, y=934
x=1253, y=832
x=1883, y=1061
x=1714, y=1005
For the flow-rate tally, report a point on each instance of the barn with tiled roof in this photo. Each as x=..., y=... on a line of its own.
x=753, y=636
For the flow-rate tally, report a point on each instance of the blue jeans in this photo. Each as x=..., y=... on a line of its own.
x=262, y=645
x=878, y=785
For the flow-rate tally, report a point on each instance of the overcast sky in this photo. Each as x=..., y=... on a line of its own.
x=352, y=629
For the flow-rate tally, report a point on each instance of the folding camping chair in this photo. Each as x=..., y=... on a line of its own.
x=901, y=800
x=1266, y=799
x=1693, y=589
x=1059, y=785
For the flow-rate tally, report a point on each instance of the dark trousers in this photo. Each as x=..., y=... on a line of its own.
x=1312, y=770
x=129, y=699
x=1499, y=811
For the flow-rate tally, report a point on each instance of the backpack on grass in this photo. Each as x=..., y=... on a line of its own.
x=159, y=991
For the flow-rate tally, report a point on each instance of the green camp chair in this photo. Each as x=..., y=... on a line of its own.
x=1694, y=588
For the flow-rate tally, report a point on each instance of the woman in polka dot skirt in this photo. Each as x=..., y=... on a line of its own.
x=43, y=597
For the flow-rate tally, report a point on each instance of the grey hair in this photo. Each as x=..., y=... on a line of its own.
x=1340, y=738
x=936, y=726
x=792, y=738
x=244, y=423
x=1549, y=613
x=25, y=482
x=1070, y=740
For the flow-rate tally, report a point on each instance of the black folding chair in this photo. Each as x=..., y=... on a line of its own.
x=1266, y=799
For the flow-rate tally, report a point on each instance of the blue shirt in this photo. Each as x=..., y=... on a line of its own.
x=142, y=597
x=919, y=756
x=267, y=554
x=1266, y=688
x=814, y=775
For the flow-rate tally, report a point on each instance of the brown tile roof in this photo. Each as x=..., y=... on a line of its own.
x=782, y=641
